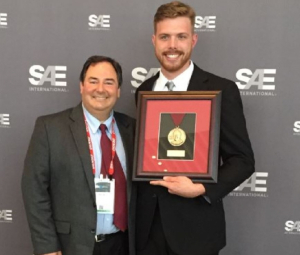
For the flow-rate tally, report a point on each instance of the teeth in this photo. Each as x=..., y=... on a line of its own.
x=172, y=56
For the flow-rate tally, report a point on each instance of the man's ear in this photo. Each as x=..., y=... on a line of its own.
x=153, y=39
x=194, y=39
x=81, y=87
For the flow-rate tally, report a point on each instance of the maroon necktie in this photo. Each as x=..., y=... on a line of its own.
x=120, y=214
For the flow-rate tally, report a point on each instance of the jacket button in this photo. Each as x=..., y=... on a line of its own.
x=93, y=231
x=94, y=204
x=154, y=196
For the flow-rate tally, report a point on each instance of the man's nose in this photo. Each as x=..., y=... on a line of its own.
x=173, y=43
x=100, y=87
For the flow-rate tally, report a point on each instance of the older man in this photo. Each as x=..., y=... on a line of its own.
x=76, y=181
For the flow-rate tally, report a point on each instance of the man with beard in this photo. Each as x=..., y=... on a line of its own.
x=176, y=216
x=77, y=172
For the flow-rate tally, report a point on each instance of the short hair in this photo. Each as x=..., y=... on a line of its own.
x=173, y=10
x=93, y=60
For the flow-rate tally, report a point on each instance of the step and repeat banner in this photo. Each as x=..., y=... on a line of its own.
x=43, y=45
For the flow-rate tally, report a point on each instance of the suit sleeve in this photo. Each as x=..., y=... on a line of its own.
x=237, y=159
x=36, y=192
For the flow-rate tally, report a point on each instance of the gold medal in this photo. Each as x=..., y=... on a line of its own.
x=176, y=136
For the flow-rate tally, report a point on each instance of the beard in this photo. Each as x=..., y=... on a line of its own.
x=176, y=65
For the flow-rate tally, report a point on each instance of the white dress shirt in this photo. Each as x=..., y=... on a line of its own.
x=104, y=221
x=181, y=81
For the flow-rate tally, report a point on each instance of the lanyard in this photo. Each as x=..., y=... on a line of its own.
x=113, y=148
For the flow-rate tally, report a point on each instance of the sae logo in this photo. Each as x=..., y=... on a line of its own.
x=4, y=120
x=140, y=74
x=255, y=186
x=260, y=82
x=292, y=227
x=3, y=20
x=100, y=22
x=6, y=216
x=55, y=76
x=296, y=128
x=205, y=24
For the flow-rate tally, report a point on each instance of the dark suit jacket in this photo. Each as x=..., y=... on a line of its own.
x=58, y=183
x=194, y=226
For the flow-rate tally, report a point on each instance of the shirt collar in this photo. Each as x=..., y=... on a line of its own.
x=181, y=81
x=94, y=123
x=185, y=76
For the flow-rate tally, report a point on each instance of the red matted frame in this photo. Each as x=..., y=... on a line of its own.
x=206, y=107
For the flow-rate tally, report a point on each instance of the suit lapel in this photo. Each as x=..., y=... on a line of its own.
x=151, y=82
x=198, y=80
x=79, y=133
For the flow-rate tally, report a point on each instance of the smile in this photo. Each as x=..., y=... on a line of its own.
x=173, y=56
x=99, y=97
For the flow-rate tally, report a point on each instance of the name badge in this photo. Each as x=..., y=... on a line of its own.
x=105, y=195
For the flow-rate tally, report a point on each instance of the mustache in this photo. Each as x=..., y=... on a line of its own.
x=172, y=52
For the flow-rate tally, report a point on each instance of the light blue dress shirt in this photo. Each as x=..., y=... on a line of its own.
x=104, y=221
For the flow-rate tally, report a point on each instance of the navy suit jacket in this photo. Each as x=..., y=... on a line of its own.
x=194, y=226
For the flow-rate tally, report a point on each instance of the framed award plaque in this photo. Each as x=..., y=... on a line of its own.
x=177, y=134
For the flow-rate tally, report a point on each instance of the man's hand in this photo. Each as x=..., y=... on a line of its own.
x=53, y=253
x=181, y=186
